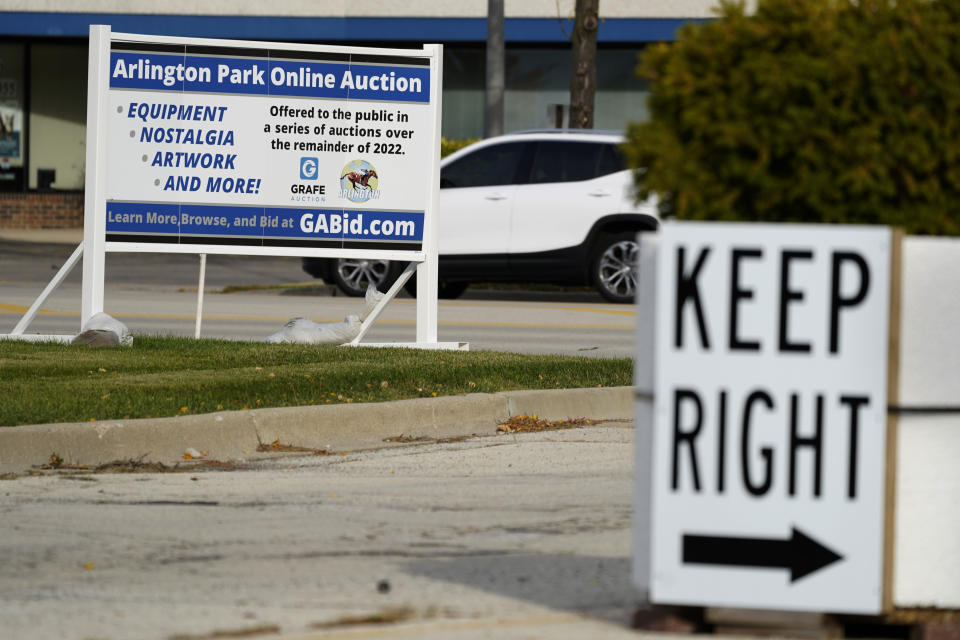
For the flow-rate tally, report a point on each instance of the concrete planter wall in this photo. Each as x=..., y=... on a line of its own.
x=927, y=544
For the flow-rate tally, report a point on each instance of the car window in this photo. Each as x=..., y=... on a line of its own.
x=611, y=160
x=558, y=161
x=493, y=165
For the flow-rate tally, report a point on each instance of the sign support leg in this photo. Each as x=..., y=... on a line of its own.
x=203, y=275
x=388, y=296
x=427, y=302
x=428, y=270
x=53, y=284
x=94, y=202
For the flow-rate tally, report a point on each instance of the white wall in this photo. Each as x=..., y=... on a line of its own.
x=927, y=548
x=373, y=8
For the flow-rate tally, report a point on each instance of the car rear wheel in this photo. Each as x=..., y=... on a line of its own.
x=353, y=275
x=614, y=266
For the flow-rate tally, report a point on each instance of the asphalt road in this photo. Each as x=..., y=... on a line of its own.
x=156, y=294
x=509, y=536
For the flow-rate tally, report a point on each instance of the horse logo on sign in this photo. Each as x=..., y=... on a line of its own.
x=359, y=181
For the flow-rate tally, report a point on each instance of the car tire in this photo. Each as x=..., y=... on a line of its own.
x=614, y=266
x=445, y=290
x=451, y=290
x=314, y=267
x=354, y=275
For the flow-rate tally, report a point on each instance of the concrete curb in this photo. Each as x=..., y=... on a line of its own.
x=233, y=435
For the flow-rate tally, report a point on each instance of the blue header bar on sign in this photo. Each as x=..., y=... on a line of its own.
x=158, y=71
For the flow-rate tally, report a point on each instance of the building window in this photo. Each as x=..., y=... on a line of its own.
x=538, y=78
x=11, y=116
x=58, y=116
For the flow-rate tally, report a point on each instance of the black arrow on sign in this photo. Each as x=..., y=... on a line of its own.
x=801, y=554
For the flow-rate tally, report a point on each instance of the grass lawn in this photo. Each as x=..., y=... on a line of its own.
x=167, y=376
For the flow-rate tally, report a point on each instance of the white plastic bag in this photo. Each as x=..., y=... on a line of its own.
x=304, y=331
x=100, y=323
x=371, y=299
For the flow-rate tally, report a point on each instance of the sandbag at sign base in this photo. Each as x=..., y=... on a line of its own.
x=102, y=330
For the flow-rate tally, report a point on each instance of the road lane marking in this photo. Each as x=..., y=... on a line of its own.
x=17, y=309
x=6, y=308
x=460, y=304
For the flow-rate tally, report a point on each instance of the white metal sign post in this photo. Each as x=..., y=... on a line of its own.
x=262, y=148
x=770, y=416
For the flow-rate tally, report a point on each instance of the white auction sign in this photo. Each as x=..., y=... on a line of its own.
x=263, y=148
x=770, y=416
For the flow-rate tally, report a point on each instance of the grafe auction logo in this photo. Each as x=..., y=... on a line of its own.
x=359, y=181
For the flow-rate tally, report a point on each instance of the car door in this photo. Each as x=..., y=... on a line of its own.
x=476, y=199
x=572, y=185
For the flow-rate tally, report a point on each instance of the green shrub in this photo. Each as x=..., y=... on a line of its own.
x=449, y=146
x=835, y=111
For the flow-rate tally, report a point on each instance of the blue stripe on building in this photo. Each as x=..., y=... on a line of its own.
x=323, y=29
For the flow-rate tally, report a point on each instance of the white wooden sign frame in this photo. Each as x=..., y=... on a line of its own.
x=424, y=185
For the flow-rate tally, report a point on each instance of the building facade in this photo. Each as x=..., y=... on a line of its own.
x=43, y=67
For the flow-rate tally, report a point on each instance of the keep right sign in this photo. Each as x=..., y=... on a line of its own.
x=770, y=416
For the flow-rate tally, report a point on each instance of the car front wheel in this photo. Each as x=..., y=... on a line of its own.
x=614, y=266
x=445, y=290
x=353, y=275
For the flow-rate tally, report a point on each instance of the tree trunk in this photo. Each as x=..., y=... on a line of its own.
x=583, y=85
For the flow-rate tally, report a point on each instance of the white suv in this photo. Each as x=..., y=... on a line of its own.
x=536, y=206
